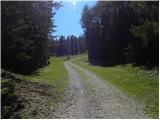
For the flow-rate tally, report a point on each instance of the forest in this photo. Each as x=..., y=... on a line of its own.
x=122, y=32
x=114, y=33
x=26, y=34
x=70, y=45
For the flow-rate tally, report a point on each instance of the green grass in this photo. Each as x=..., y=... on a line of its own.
x=86, y=79
x=54, y=74
x=141, y=84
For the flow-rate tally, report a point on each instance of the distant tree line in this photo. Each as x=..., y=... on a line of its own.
x=118, y=32
x=26, y=29
x=51, y=46
x=71, y=45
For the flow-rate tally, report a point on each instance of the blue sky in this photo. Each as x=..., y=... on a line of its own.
x=67, y=18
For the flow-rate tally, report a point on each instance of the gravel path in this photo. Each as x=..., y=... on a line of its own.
x=88, y=96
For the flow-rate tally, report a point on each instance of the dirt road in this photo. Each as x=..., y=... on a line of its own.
x=88, y=96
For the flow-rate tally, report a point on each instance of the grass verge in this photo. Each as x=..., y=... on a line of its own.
x=141, y=84
x=54, y=74
x=38, y=93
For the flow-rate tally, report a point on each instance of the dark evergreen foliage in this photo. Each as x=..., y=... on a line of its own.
x=118, y=32
x=26, y=26
x=143, y=48
x=70, y=45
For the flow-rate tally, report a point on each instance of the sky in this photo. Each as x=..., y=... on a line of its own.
x=67, y=18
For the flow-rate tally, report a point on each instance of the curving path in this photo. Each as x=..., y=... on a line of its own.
x=87, y=96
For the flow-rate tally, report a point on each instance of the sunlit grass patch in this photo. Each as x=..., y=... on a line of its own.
x=141, y=84
x=54, y=74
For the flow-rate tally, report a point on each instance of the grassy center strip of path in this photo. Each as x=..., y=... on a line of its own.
x=138, y=83
x=85, y=78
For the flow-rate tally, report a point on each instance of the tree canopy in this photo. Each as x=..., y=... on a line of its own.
x=71, y=45
x=26, y=27
x=122, y=31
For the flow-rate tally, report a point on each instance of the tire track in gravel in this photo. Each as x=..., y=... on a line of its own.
x=87, y=96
